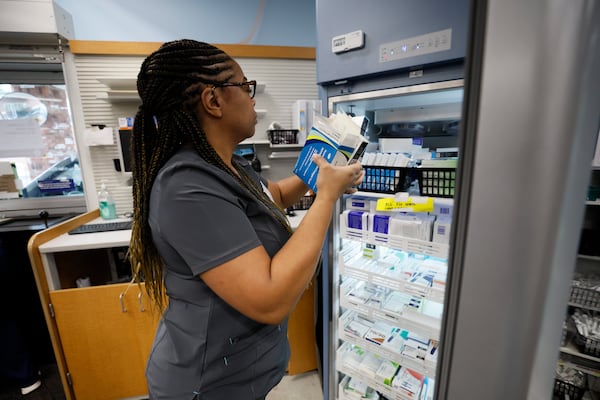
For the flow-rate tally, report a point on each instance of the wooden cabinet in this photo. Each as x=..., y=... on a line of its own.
x=106, y=334
x=101, y=334
x=302, y=335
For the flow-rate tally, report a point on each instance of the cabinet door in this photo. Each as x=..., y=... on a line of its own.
x=105, y=347
x=301, y=334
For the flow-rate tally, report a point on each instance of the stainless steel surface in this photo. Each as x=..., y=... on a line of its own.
x=32, y=207
x=30, y=223
x=532, y=116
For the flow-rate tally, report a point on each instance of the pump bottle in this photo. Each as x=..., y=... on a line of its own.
x=108, y=210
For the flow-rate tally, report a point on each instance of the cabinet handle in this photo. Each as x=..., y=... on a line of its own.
x=121, y=296
x=142, y=309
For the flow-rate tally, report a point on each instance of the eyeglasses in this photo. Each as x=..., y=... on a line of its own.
x=249, y=85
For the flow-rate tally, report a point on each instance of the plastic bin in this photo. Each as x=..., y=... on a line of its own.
x=585, y=297
x=563, y=389
x=283, y=136
x=593, y=383
x=437, y=182
x=304, y=203
x=593, y=193
x=587, y=345
x=386, y=179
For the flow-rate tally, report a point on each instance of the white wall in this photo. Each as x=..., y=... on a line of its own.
x=285, y=81
x=264, y=22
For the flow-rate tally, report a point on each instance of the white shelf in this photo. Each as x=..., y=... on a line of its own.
x=386, y=390
x=434, y=249
x=590, y=258
x=131, y=84
x=590, y=371
x=286, y=146
x=251, y=141
x=572, y=350
x=424, y=367
x=425, y=292
x=439, y=200
x=119, y=95
x=583, y=306
x=119, y=83
x=260, y=113
x=593, y=203
x=283, y=155
x=412, y=321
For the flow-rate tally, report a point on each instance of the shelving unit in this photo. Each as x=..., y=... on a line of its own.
x=570, y=349
x=125, y=90
x=119, y=96
x=571, y=354
x=120, y=90
x=284, y=151
x=286, y=146
x=260, y=113
x=284, y=154
x=360, y=320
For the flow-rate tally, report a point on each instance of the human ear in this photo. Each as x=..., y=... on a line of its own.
x=211, y=102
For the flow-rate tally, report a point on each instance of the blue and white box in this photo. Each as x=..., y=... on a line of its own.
x=338, y=139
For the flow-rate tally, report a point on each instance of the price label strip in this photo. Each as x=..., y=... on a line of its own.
x=408, y=204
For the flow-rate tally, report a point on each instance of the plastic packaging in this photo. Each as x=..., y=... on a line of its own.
x=108, y=210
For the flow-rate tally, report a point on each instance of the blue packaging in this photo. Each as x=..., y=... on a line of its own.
x=381, y=223
x=338, y=148
x=355, y=219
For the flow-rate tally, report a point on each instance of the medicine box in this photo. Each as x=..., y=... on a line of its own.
x=337, y=140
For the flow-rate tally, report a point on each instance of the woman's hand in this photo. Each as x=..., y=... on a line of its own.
x=333, y=181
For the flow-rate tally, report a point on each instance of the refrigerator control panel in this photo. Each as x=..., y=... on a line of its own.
x=416, y=46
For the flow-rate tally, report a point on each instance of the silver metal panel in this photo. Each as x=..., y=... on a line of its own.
x=402, y=97
x=432, y=112
x=532, y=117
x=31, y=207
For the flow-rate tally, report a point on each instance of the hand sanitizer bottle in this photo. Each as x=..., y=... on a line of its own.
x=106, y=203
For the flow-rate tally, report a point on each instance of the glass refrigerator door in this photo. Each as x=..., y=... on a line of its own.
x=390, y=244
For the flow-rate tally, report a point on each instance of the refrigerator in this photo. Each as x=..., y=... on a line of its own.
x=512, y=89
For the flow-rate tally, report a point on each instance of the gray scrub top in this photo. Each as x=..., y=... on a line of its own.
x=204, y=349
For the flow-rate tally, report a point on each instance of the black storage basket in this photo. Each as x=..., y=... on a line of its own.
x=283, y=136
x=437, y=182
x=587, y=345
x=304, y=203
x=386, y=179
x=585, y=297
x=563, y=389
x=593, y=383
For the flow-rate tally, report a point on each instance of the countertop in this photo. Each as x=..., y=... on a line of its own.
x=101, y=240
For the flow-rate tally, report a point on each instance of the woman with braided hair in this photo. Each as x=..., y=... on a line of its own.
x=210, y=238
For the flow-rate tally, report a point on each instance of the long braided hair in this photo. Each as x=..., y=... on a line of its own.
x=169, y=84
